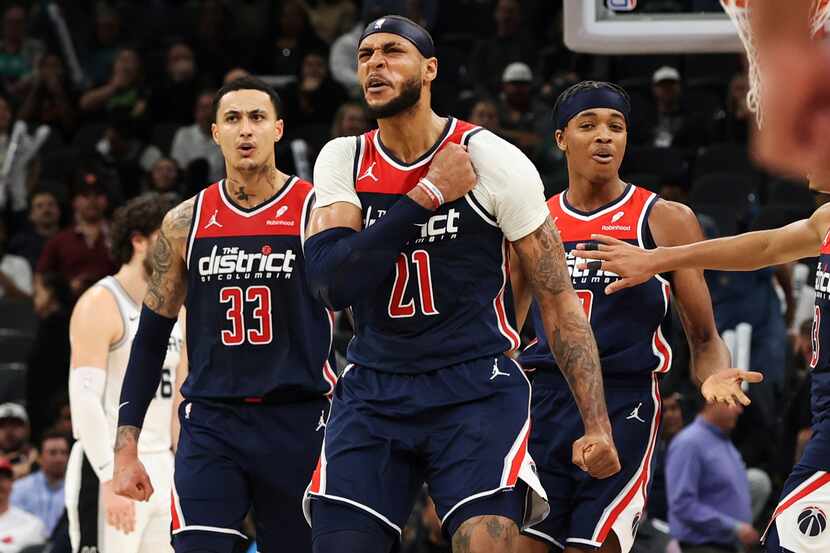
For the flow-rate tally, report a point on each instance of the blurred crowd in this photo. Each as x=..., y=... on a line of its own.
x=101, y=101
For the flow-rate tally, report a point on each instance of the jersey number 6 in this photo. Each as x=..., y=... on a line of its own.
x=261, y=295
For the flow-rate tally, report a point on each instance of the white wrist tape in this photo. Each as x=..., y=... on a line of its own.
x=434, y=189
x=89, y=422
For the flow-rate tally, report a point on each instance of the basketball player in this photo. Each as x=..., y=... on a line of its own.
x=259, y=346
x=416, y=242
x=799, y=524
x=592, y=130
x=101, y=332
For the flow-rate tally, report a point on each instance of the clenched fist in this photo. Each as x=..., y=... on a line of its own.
x=130, y=478
x=451, y=171
x=595, y=454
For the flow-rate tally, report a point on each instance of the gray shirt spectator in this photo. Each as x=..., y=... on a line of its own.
x=195, y=141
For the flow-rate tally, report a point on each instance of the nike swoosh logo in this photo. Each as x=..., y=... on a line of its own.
x=122, y=405
x=134, y=317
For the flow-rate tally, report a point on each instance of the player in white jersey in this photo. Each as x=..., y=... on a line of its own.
x=101, y=331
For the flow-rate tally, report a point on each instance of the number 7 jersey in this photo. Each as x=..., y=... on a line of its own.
x=253, y=328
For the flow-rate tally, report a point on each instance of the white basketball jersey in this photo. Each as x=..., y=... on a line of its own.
x=155, y=434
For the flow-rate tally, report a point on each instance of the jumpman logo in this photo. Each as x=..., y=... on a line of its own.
x=322, y=422
x=212, y=221
x=369, y=173
x=496, y=371
x=635, y=414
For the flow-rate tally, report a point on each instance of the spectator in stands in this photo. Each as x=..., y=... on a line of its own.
x=343, y=60
x=15, y=446
x=14, y=194
x=62, y=423
x=235, y=73
x=215, y=38
x=123, y=153
x=733, y=123
x=522, y=119
x=672, y=424
x=124, y=93
x=47, y=367
x=331, y=18
x=485, y=113
x=15, y=272
x=667, y=90
x=195, y=141
x=492, y=55
x=19, y=53
x=350, y=120
x=100, y=54
x=172, y=101
x=44, y=223
x=18, y=529
x=50, y=100
x=41, y=493
x=295, y=38
x=163, y=177
x=80, y=252
x=314, y=98
x=710, y=508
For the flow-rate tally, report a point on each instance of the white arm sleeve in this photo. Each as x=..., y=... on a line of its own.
x=333, y=173
x=86, y=397
x=509, y=186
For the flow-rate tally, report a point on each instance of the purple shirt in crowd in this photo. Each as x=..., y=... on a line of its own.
x=708, y=490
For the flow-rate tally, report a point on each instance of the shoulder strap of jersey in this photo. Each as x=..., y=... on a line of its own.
x=123, y=303
x=198, y=204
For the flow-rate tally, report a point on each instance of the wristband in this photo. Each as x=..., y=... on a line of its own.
x=426, y=184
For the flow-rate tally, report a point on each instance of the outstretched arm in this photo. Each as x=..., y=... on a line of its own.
x=744, y=252
x=164, y=299
x=572, y=342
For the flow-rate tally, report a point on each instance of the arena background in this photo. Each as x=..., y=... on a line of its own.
x=115, y=96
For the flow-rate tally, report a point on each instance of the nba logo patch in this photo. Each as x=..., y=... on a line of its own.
x=812, y=522
x=622, y=5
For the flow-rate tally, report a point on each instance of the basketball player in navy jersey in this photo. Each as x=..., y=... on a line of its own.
x=592, y=128
x=416, y=242
x=799, y=523
x=259, y=346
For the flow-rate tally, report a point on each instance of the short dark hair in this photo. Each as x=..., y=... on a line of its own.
x=54, y=435
x=142, y=215
x=247, y=83
x=575, y=89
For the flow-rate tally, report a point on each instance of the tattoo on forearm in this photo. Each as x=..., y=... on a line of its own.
x=125, y=436
x=168, y=286
x=572, y=340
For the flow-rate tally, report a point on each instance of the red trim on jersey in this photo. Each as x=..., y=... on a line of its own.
x=315, y=478
x=659, y=342
x=281, y=217
x=498, y=302
x=175, y=515
x=619, y=219
x=516, y=464
x=641, y=483
x=813, y=486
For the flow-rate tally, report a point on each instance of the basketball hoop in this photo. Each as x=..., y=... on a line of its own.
x=739, y=12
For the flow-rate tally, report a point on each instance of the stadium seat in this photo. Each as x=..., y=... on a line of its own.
x=783, y=192
x=14, y=345
x=724, y=157
x=666, y=163
x=18, y=316
x=729, y=198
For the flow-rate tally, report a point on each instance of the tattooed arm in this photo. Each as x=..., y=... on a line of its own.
x=165, y=296
x=542, y=259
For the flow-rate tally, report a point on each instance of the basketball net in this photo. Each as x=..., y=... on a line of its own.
x=739, y=12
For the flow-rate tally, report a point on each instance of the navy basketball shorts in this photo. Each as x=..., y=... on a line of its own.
x=583, y=510
x=232, y=457
x=800, y=522
x=462, y=429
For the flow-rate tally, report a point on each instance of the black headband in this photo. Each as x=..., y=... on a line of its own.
x=405, y=28
x=600, y=97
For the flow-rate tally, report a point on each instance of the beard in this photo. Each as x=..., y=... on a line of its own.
x=409, y=96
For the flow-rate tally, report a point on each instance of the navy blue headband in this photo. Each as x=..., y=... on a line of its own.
x=405, y=28
x=600, y=97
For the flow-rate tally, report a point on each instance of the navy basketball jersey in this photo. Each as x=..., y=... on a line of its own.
x=820, y=362
x=627, y=324
x=253, y=328
x=448, y=298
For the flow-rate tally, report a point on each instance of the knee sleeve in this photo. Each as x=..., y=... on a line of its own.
x=339, y=528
